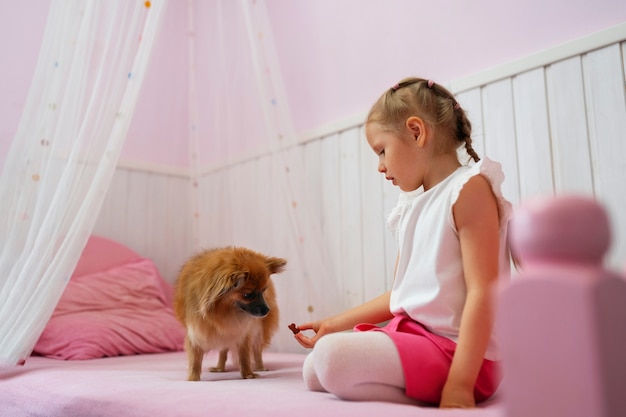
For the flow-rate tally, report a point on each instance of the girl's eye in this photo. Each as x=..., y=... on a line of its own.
x=381, y=152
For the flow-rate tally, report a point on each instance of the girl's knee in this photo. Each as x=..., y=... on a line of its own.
x=328, y=353
x=333, y=364
x=310, y=375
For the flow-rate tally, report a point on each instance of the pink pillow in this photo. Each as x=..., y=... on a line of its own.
x=120, y=311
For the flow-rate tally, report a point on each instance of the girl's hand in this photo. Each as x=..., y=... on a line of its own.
x=319, y=327
x=373, y=311
x=457, y=397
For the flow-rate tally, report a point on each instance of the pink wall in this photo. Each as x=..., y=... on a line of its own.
x=157, y=135
x=336, y=57
x=21, y=29
x=159, y=130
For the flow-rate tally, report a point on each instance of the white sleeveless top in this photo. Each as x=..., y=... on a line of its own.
x=429, y=285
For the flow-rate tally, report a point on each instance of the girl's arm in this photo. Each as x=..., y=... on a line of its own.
x=373, y=311
x=477, y=222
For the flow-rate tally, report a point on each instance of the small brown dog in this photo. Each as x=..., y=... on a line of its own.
x=226, y=301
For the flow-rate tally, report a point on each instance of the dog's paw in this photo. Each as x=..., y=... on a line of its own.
x=217, y=369
x=251, y=376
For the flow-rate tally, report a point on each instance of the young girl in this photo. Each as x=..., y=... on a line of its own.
x=451, y=221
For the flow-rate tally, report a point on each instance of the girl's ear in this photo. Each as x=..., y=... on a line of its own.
x=417, y=129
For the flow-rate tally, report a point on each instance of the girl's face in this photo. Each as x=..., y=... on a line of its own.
x=400, y=156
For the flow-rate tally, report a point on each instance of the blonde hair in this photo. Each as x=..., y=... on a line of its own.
x=429, y=101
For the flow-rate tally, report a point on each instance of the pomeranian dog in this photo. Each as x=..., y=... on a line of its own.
x=226, y=301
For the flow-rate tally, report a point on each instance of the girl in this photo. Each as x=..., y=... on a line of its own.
x=450, y=222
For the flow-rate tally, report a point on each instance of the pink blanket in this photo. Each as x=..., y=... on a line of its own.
x=154, y=385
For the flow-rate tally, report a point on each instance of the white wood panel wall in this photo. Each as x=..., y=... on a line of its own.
x=556, y=129
x=322, y=206
x=150, y=213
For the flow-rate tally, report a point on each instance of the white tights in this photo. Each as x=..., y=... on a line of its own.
x=360, y=366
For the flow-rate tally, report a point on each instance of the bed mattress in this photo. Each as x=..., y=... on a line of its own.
x=153, y=385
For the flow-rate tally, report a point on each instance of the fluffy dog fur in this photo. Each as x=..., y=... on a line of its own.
x=226, y=301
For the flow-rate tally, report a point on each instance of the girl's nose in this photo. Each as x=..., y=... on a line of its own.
x=381, y=167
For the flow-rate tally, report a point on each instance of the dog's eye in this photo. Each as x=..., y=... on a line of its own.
x=248, y=295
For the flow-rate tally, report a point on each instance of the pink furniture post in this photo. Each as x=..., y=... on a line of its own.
x=562, y=321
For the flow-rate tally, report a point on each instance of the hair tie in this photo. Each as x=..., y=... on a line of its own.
x=395, y=86
x=457, y=106
x=430, y=83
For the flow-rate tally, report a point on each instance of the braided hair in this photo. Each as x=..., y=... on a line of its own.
x=432, y=102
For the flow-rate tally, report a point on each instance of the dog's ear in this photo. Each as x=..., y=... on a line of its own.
x=275, y=265
x=238, y=279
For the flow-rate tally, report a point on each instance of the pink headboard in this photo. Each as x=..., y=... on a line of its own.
x=562, y=321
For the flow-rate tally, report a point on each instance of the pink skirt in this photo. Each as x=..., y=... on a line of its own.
x=426, y=359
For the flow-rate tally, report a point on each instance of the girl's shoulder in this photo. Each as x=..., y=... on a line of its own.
x=492, y=172
x=489, y=169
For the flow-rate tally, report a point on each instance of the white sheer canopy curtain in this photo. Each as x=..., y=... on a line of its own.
x=92, y=62
x=252, y=187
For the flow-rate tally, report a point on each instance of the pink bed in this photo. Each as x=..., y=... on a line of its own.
x=153, y=385
x=113, y=348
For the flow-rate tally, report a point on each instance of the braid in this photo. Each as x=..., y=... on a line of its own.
x=464, y=132
x=451, y=114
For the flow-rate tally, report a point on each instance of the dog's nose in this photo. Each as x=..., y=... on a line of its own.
x=261, y=311
x=256, y=309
